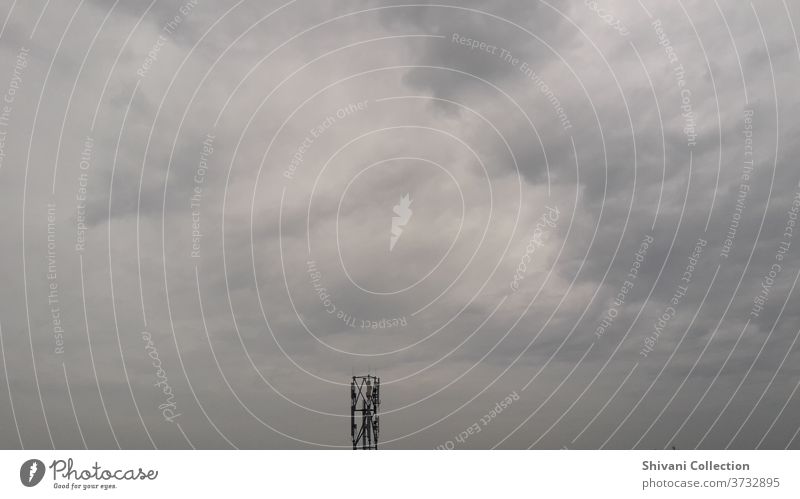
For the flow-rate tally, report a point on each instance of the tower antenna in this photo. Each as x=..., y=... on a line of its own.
x=365, y=398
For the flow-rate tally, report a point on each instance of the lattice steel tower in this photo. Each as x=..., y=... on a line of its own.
x=365, y=398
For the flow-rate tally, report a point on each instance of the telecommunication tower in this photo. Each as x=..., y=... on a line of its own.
x=365, y=398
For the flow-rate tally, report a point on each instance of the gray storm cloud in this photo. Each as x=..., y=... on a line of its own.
x=199, y=199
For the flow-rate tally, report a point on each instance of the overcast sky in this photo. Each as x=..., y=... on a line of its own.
x=541, y=224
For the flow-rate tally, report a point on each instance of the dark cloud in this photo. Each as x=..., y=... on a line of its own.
x=264, y=284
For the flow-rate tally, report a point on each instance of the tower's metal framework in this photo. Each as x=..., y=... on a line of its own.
x=365, y=398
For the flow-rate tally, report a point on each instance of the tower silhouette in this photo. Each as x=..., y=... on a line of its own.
x=365, y=398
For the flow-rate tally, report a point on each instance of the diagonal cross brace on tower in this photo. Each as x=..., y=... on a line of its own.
x=365, y=398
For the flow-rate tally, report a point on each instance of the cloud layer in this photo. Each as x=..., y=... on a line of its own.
x=596, y=206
